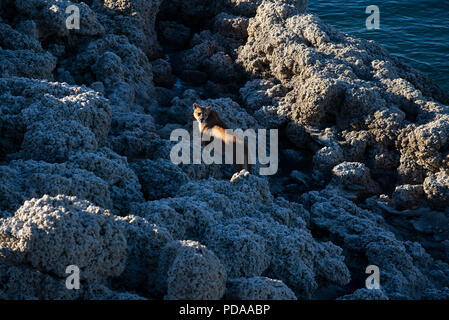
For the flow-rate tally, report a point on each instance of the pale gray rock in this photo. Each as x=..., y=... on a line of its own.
x=246, y=8
x=202, y=48
x=133, y=135
x=181, y=109
x=242, y=251
x=355, y=175
x=267, y=117
x=19, y=282
x=23, y=180
x=50, y=17
x=51, y=112
x=124, y=186
x=244, y=215
x=401, y=263
x=98, y=291
x=341, y=103
x=220, y=67
x=355, y=85
x=52, y=142
x=108, y=68
x=326, y=159
x=436, y=188
x=231, y=26
x=159, y=178
x=204, y=171
x=258, y=288
x=52, y=233
x=365, y=294
x=261, y=92
x=134, y=71
x=249, y=7
x=408, y=196
x=26, y=63
x=188, y=270
x=13, y=39
x=145, y=242
x=134, y=19
x=183, y=217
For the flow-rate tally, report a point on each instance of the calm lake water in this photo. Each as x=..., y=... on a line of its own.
x=416, y=31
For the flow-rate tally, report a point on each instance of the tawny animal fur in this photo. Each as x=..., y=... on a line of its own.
x=211, y=125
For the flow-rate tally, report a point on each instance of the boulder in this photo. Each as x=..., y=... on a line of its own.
x=189, y=271
x=52, y=233
x=258, y=288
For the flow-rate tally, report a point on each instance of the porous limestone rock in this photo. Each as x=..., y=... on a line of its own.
x=13, y=39
x=134, y=19
x=159, y=178
x=102, y=58
x=231, y=26
x=145, y=242
x=133, y=135
x=339, y=103
x=19, y=282
x=98, y=291
x=381, y=105
x=52, y=233
x=188, y=270
x=51, y=17
x=124, y=186
x=242, y=251
x=258, y=288
x=52, y=113
x=406, y=267
x=54, y=142
x=249, y=231
x=408, y=196
x=183, y=217
x=355, y=175
x=23, y=180
x=436, y=188
x=162, y=73
x=26, y=63
x=365, y=294
x=261, y=92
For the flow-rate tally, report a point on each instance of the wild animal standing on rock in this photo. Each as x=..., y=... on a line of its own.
x=211, y=126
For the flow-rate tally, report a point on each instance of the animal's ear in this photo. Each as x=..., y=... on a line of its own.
x=195, y=106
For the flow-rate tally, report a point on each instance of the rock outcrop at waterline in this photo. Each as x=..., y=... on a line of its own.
x=86, y=179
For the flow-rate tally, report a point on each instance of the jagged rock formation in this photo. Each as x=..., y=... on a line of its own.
x=86, y=177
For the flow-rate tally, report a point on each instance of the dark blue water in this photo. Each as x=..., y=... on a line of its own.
x=416, y=31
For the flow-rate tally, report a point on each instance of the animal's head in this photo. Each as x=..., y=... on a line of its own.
x=201, y=113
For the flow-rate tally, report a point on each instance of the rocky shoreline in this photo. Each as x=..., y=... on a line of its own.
x=86, y=177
